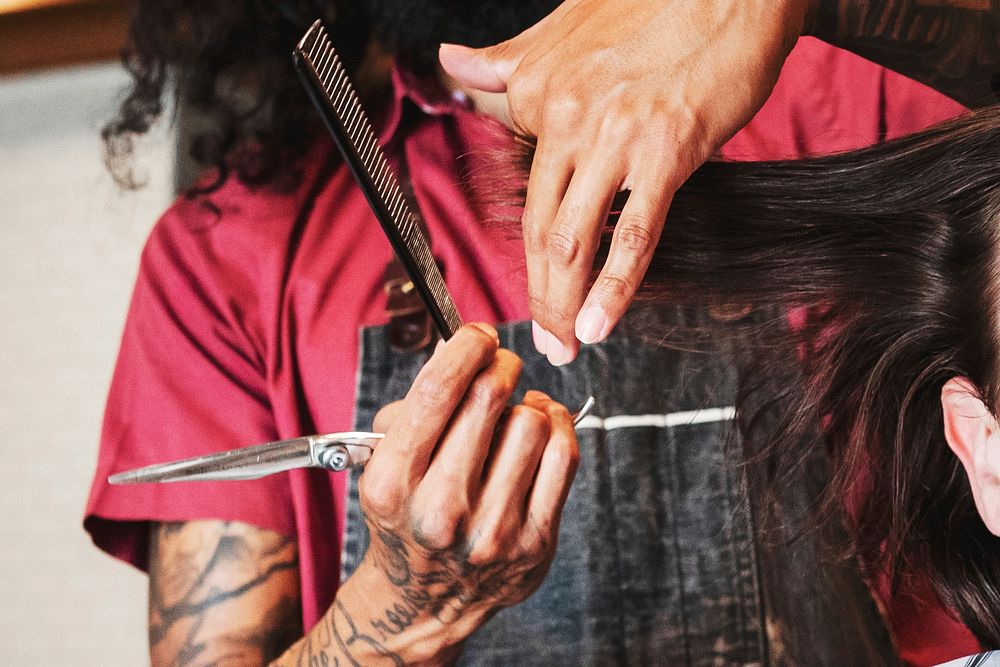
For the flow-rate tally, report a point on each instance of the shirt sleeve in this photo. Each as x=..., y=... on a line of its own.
x=190, y=379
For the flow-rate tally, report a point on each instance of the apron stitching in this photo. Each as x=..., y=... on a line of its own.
x=675, y=483
x=622, y=639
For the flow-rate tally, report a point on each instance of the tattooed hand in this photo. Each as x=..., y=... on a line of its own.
x=463, y=499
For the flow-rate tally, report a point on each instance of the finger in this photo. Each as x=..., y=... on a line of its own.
x=387, y=416
x=632, y=244
x=512, y=467
x=436, y=393
x=571, y=245
x=456, y=466
x=551, y=170
x=557, y=466
x=489, y=69
x=483, y=69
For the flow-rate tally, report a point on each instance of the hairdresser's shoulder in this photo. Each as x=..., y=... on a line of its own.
x=221, y=226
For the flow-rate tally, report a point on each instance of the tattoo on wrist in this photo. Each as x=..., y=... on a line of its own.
x=441, y=593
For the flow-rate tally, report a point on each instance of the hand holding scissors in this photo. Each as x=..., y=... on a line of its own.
x=462, y=497
x=331, y=451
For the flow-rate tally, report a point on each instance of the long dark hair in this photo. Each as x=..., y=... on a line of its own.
x=893, y=250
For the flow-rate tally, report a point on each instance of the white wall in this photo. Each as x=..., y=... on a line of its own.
x=69, y=246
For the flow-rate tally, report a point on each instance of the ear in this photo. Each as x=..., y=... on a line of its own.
x=973, y=435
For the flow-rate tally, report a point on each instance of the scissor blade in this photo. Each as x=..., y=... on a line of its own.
x=244, y=463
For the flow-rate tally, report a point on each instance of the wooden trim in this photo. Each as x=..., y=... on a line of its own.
x=52, y=33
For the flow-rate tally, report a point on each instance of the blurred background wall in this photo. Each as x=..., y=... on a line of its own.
x=69, y=248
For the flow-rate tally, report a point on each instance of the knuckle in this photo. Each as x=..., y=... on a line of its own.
x=566, y=454
x=511, y=363
x=563, y=107
x=438, y=526
x=545, y=312
x=563, y=247
x=486, y=549
x=482, y=338
x=634, y=236
x=534, y=546
x=530, y=422
x=618, y=122
x=535, y=239
x=380, y=496
x=614, y=286
x=491, y=392
x=523, y=93
x=430, y=391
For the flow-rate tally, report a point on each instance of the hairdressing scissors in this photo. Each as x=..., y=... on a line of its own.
x=331, y=451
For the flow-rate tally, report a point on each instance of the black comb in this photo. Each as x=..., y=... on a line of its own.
x=330, y=89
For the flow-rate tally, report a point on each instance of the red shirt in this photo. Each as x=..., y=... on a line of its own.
x=243, y=324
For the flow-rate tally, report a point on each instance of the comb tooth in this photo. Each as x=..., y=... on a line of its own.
x=308, y=41
x=394, y=201
x=324, y=60
x=315, y=57
x=360, y=124
x=321, y=64
x=353, y=120
x=334, y=90
x=378, y=174
x=337, y=74
x=322, y=43
x=357, y=115
x=339, y=91
x=350, y=110
x=331, y=69
x=366, y=150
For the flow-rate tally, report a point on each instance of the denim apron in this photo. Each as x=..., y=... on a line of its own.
x=658, y=561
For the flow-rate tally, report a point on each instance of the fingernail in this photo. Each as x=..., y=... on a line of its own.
x=557, y=353
x=590, y=325
x=454, y=48
x=538, y=336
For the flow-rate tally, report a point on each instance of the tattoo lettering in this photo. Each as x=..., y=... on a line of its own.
x=952, y=46
x=221, y=593
x=450, y=586
x=438, y=586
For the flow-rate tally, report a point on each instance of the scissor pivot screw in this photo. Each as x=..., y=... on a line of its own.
x=335, y=458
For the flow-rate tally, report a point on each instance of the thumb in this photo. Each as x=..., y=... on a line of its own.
x=486, y=69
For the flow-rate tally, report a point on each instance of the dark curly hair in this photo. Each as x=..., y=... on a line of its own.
x=229, y=63
x=229, y=67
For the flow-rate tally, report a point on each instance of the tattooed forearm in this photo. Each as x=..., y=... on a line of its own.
x=952, y=46
x=221, y=594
